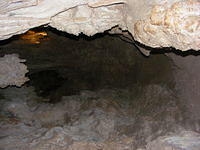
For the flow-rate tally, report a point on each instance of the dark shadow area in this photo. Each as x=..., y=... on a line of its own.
x=45, y=82
x=166, y=50
x=61, y=64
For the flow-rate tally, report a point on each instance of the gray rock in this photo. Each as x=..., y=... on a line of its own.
x=186, y=140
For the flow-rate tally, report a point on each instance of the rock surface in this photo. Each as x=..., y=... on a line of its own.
x=186, y=140
x=12, y=71
x=169, y=24
x=105, y=119
x=88, y=20
x=186, y=75
x=157, y=23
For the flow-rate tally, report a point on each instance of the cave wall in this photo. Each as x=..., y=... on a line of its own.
x=186, y=74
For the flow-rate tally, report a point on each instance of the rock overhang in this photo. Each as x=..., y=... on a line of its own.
x=156, y=23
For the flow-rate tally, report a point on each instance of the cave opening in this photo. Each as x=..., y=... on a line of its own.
x=88, y=89
x=62, y=64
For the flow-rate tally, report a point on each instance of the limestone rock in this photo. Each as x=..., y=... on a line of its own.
x=87, y=20
x=176, y=25
x=186, y=140
x=12, y=71
x=17, y=17
x=156, y=23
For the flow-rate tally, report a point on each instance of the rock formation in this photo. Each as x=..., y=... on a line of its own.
x=156, y=23
x=12, y=71
x=186, y=140
x=91, y=121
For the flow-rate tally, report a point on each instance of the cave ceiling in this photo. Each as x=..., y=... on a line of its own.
x=155, y=23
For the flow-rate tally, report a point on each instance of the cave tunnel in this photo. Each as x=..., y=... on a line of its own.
x=94, y=92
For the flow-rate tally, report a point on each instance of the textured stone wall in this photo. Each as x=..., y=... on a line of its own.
x=88, y=20
x=169, y=24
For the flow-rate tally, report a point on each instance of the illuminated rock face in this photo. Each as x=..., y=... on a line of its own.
x=87, y=20
x=155, y=23
x=171, y=24
x=67, y=15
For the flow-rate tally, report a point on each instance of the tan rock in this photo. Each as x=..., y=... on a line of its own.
x=175, y=25
x=156, y=23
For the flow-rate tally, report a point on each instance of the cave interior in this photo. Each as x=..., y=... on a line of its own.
x=92, y=90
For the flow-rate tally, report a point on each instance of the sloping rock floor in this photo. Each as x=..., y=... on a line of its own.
x=95, y=120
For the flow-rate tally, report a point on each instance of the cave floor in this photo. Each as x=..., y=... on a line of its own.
x=93, y=120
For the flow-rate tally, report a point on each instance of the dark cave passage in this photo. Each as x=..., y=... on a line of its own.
x=61, y=64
